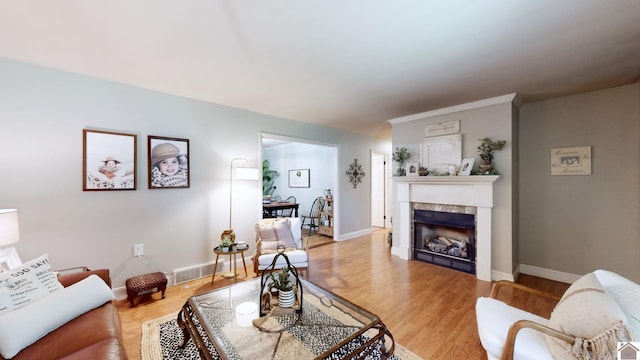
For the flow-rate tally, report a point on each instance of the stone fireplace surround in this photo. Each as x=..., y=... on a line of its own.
x=476, y=191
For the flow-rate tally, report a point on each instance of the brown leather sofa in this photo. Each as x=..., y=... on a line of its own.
x=96, y=334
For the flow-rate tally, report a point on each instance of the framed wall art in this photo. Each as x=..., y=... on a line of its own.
x=443, y=128
x=108, y=161
x=168, y=162
x=571, y=161
x=299, y=178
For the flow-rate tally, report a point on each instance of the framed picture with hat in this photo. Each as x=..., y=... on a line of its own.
x=168, y=162
x=108, y=161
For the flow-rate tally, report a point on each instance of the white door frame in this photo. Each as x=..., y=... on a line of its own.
x=381, y=175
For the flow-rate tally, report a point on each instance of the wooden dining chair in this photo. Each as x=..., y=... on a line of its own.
x=312, y=221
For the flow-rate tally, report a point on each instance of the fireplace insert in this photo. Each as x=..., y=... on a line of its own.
x=445, y=239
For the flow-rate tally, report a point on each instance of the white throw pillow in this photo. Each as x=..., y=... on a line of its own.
x=23, y=327
x=589, y=313
x=275, y=234
x=26, y=283
x=627, y=295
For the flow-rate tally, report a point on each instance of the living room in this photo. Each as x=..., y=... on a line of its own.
x=555, y=227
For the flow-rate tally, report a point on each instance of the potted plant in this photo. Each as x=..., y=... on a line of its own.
x=281, y=281
x=486, y=149
x=225, y=244
x=400, y=156
x=268, y=178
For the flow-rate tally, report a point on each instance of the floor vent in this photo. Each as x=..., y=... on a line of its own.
x=193, y=272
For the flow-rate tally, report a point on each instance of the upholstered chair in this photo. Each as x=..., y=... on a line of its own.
x=596, y=312
x=272, y=233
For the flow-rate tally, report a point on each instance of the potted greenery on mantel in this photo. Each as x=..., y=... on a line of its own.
x=486, y=149
x=400, y=156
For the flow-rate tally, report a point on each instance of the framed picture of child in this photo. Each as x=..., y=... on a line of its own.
x=168, y=162
x=108, y=161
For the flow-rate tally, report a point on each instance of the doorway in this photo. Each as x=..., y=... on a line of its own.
x=286, y=154
x=378, y=190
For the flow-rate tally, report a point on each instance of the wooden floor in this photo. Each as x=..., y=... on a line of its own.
x=429, y=309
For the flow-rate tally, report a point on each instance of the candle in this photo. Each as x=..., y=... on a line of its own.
x=245, y=313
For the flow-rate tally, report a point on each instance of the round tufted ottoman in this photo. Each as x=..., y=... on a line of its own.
x=144, y=284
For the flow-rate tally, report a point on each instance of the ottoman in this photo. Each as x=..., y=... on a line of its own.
x=144, y=284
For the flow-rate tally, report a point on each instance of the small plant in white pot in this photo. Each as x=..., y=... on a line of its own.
x=225, y=243
x=282, y=282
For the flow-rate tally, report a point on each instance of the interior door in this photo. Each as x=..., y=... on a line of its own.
x=378, y=194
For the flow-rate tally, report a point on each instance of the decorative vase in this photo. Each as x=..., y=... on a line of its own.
x=230, y=234
x=286, y=299
x=486, y=168
x=225, y=249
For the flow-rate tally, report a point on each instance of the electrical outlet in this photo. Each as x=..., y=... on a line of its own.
x=138, y=250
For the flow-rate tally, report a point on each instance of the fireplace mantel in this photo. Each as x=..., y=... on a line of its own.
x=450, y=190
x=481, y=179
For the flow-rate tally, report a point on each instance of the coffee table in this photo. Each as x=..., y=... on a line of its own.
x=330, y=327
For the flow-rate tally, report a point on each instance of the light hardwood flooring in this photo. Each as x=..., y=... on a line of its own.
x=429, y=309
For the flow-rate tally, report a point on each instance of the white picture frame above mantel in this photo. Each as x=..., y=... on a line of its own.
x=441, y=151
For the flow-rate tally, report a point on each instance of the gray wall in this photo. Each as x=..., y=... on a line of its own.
x=576, y=224
x=42, y=114
x=496, y=122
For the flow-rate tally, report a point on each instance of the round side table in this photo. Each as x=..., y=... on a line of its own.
x=233, y=252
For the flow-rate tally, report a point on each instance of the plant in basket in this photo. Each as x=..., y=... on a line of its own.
x=281, y=281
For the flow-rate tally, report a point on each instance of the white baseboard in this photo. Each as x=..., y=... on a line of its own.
x=499, y=275
x=353, y=235
x=120, y=293
x=548, y=273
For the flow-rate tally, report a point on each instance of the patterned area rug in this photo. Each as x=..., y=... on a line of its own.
x=161, y=337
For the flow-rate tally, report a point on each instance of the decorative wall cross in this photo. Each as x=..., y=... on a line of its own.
x=355, y=173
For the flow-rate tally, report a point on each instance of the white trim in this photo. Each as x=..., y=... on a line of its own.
x=352, y=235
x=549, y=274
x=452, y=109
x=499, y=275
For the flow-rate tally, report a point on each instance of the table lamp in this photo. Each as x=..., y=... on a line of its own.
x=9, y=234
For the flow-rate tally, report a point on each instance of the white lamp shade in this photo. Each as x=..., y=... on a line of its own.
x=246, y=173
x=9, y=232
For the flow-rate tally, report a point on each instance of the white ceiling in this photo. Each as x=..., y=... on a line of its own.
x=349, y=64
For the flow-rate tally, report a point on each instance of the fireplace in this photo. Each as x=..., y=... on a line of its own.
x=467, y=191
x=445, y=238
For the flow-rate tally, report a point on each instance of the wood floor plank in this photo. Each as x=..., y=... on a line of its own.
x=428, y=309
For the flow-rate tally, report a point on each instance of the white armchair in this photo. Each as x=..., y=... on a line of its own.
x=271, y=233
x=601, y=307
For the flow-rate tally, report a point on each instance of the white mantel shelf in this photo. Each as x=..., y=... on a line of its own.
x=472, y=190
x=449, y=180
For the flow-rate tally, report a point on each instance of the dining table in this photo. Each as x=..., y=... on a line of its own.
x=272, y=209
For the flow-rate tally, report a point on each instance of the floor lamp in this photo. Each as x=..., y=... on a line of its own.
x=9, y=234
x=237, y=173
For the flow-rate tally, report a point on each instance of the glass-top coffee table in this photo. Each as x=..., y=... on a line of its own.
x=330, y=327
